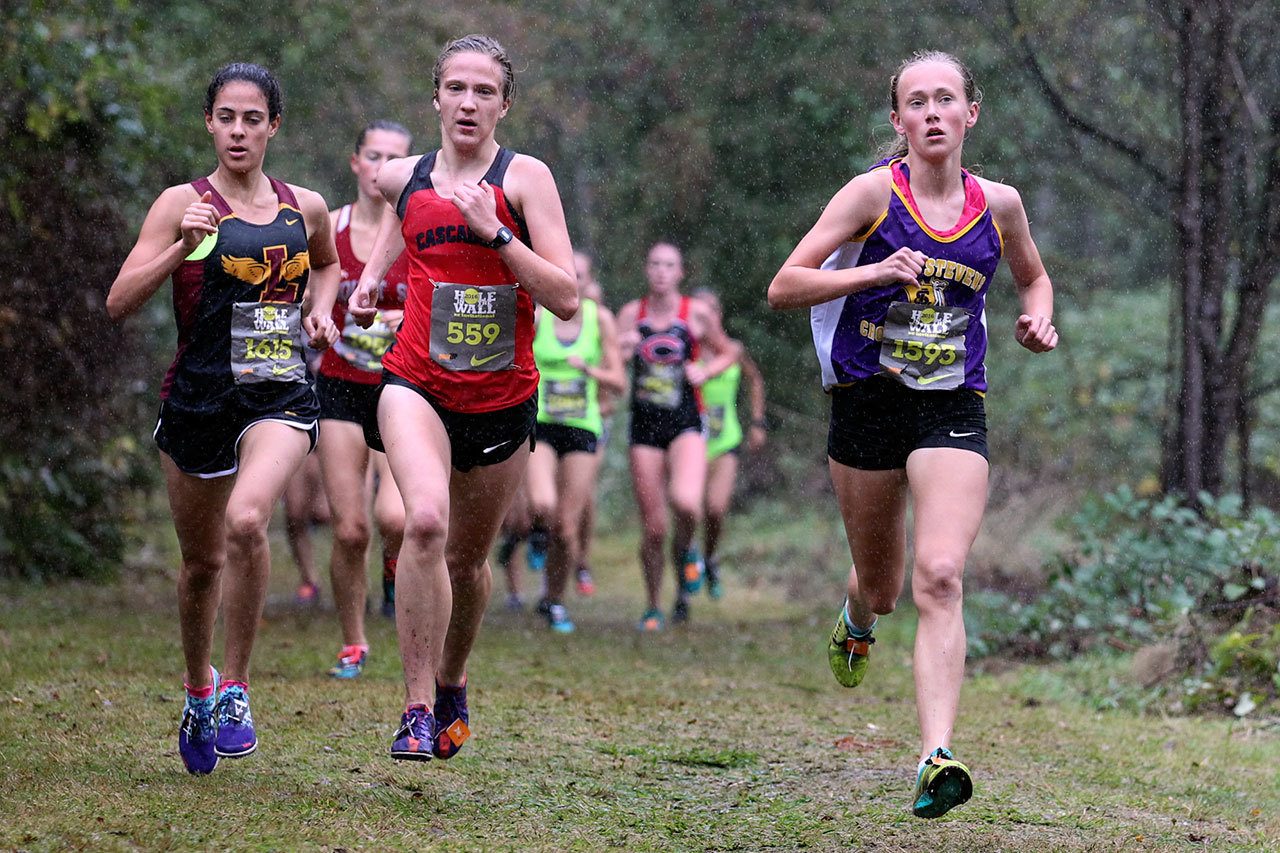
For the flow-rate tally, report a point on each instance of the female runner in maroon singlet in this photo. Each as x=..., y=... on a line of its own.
x=254, y=272
x=350, y=373
x=485, y=235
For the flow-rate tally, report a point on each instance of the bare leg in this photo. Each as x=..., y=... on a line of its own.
x=388, y=508
x=575, y=474
x=418, y=453
x=540, y=486
x=687, y=483
x=478, y=500
x=949, y=490
x=270, y=453
x=873, y=505
x=344, y=458
x=722, y=475
x=198, y=507
x=648, y=478
x=298, y=516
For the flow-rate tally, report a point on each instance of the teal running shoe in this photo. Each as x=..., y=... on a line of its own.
x=942, y=783
x=652, y=622
x=691, y=571
x=350, y=662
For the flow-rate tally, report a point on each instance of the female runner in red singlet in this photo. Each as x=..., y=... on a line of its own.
x=484, y=231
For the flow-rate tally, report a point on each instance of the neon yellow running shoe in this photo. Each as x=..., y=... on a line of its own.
x=942, y=784
x=848, y=655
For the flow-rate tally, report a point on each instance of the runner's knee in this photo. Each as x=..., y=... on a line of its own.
x=937, y=581
x=247, y=524
x=687, y=510
x=352, y=533
x=425, y=525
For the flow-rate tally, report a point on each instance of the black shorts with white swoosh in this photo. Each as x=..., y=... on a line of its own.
x=475, y=439
x=876, y=423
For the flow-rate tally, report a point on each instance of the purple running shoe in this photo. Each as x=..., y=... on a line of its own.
x=198, y=732
x=452, y=719
x=413, y=740
x=236, y=737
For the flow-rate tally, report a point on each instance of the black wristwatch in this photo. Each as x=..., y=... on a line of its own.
x=502, y=238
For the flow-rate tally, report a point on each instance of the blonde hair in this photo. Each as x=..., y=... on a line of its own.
x=897, y=147
x=484, y=45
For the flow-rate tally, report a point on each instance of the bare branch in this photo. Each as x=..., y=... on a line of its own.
x=1242, y=82
x=1072, y=118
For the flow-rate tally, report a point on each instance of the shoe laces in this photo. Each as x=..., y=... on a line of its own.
x=414, y=724
x=869, y=640
x=233, y=707
x=197, y=719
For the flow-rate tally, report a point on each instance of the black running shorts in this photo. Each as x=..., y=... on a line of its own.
x=341, y=400
x=476, y=439
x=208, y=445
x=876, y=423
x=652, y=426
x=565, y=439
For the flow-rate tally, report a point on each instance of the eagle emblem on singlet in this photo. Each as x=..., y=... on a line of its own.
x=252, y=271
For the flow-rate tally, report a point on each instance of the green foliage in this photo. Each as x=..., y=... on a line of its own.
x=73, y=117
x=1142, y=564
x=1242, y=673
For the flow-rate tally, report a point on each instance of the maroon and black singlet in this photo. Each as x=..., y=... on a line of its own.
x=664, y=404
x=237, y=301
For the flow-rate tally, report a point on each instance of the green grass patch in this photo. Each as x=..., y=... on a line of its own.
x=729, y=734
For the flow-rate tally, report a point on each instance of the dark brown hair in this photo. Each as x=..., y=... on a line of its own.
x=250, y=73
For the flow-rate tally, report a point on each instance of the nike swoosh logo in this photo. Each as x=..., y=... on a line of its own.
x=291, y=222
x=955, y=434
x=280, y=371
x=929, y=380
x=476, y=362
x=496, y=446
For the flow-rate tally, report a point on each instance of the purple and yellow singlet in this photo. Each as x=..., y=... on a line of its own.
x=930, y=335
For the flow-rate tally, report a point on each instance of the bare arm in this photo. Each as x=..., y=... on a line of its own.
x=609, y=373
x=545, y=268
x=177, y=223
x=725, y=350
x=1034, y=328
x=322, y=284
x=393, y=177
x=755, y=395
x=854, y=209
x=628, y=335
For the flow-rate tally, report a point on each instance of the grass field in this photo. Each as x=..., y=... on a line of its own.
x=729, y=734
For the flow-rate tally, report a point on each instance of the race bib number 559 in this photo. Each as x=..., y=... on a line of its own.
x=473, y=327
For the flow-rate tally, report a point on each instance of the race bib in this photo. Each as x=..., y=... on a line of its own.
x=363, y=349
x=266, y=342
x=473, y=327
x=661, y=385
x=566, y=399
x=923, y=346
x=715, y=420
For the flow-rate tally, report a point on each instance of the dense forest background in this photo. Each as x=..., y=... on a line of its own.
x=723, y=125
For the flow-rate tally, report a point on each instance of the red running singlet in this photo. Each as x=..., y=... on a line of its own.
x=358, y=354
x=467, y=336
